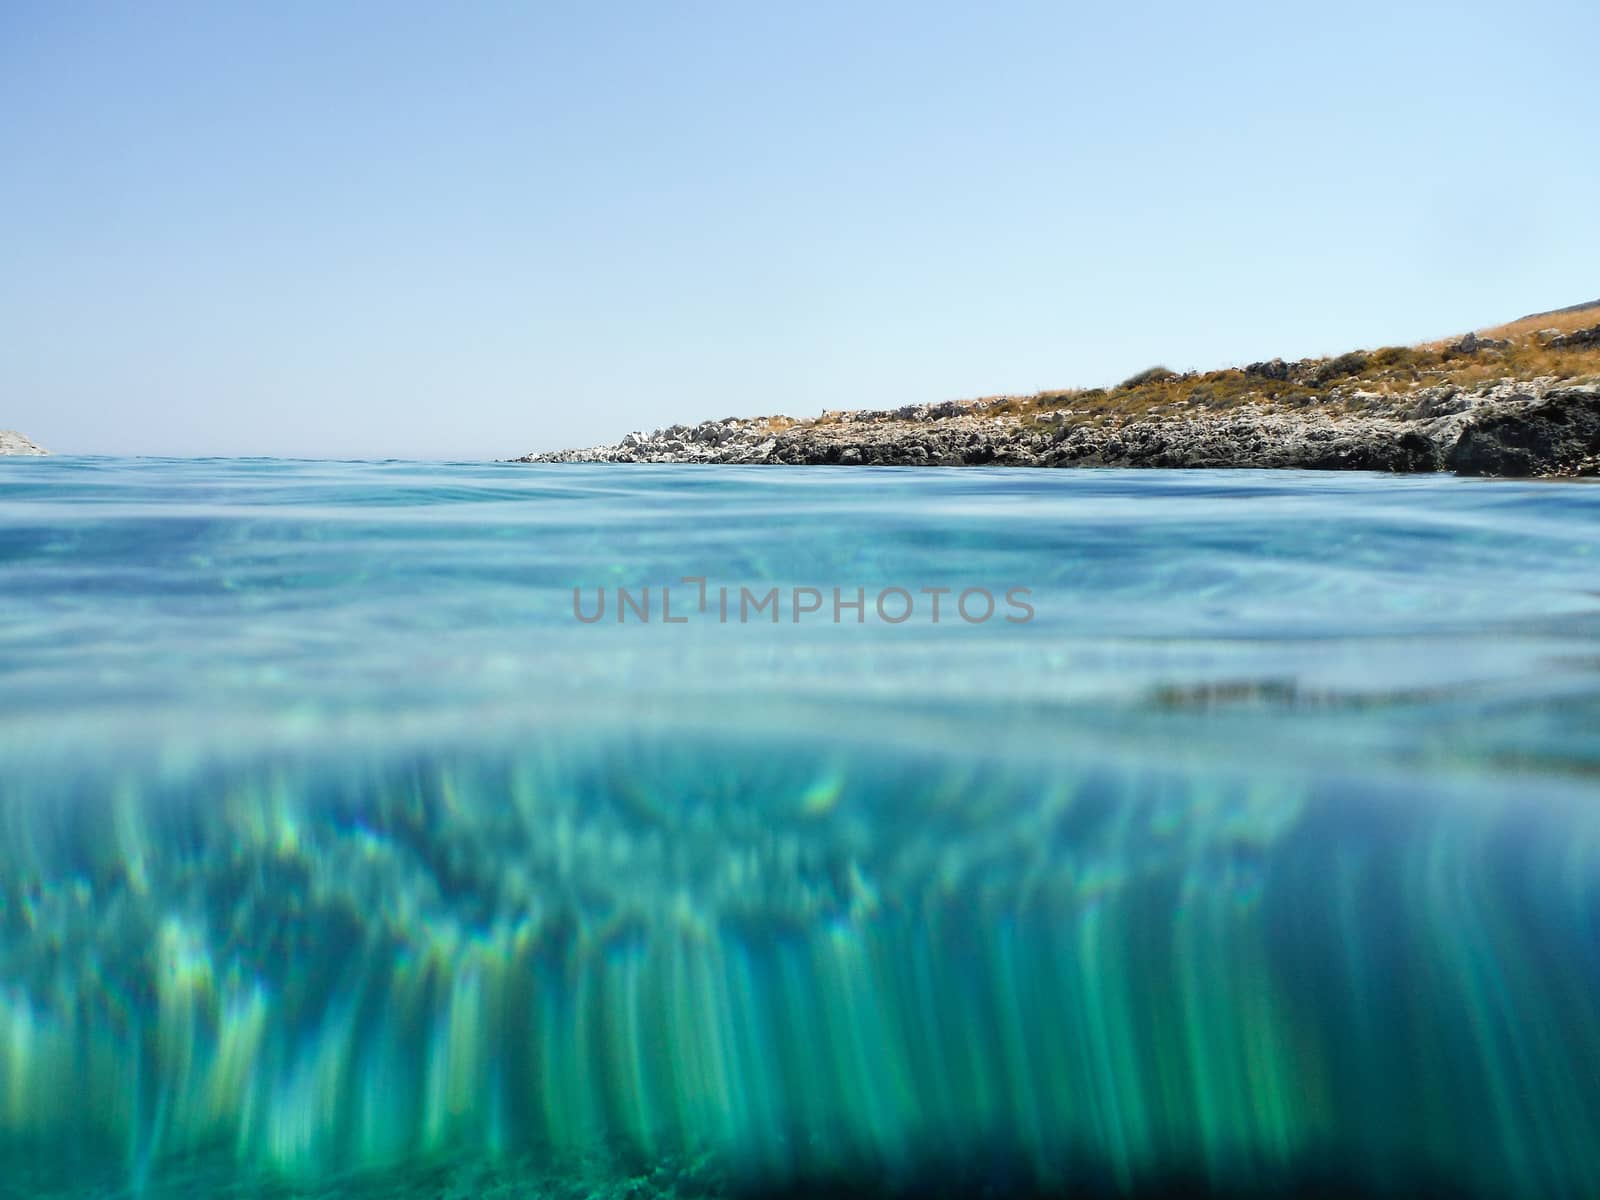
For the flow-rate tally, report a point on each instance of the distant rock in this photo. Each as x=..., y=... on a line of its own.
x=1578, y=337
x=1473, y=344
x=12, y=442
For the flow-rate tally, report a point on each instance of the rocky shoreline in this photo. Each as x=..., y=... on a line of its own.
x=12, y=442
x=1535, y=428
x=1347, y=413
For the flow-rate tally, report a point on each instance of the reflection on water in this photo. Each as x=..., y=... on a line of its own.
x=335, y=851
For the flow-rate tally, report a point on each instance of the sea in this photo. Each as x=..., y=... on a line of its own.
x=464, y=829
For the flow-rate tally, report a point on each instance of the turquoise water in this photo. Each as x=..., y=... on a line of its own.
x=335, y=847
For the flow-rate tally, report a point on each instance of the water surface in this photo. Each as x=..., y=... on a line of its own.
x=334, y=847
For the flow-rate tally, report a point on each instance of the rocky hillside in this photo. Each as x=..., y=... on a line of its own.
x=12, y=442
x=1522, y=399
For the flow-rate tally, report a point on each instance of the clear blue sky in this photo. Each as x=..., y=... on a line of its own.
x=475, y=230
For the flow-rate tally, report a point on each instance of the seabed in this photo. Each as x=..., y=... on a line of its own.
x=689, y=964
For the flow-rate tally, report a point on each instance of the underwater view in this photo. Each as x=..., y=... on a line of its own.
x=450, y=830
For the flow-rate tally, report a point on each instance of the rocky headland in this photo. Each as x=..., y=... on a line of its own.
x=1520, y=400
x=12, y=442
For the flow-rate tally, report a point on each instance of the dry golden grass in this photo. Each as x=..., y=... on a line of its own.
x=1566, y=322
x=1334, y=382
x=1527, y=360
x=1343, y=383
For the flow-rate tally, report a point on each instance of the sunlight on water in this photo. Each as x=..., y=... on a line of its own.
x=334, y=846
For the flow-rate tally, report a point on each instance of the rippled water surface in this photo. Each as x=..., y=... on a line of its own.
x=336, y=852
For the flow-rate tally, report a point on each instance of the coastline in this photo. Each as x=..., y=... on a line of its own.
x=1523, y=405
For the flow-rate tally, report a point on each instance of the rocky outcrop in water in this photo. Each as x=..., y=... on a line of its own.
x=12, y=442
x=1559, y=435
x=1520, y=428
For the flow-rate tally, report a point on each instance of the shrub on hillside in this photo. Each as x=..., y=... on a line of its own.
x=1342, y=367
x=1149, y=375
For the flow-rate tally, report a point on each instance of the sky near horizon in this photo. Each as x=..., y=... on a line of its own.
x=471, y=231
